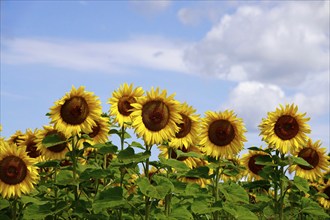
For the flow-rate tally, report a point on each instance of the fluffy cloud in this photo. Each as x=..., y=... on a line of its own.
x=113, y=57
x=252, y=100
x=282, y=44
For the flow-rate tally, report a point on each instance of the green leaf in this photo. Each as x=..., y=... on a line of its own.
x=53, y=140
x=35, y=211
x=93, y=173
x=181, y=213
x=50, y=163
x=188, y=154
x=33, y=200
x=162, y=188
x=175, y=164
x=4, y=217
x=4, y=203
x=65, y=177
x=109, y=198
x=301, y=184
x=234, y=193
x=300, y=161
x=239, y=212
x=137, y=145
x=198, y=172
x=128, y=155
x=107, y=148
x=264, y=160
x=202, y=207
x=312, y=208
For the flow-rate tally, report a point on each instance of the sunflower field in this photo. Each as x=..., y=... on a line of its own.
x=91, y=164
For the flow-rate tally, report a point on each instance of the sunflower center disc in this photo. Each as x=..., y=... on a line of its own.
x=253, y=167
x=124, y=105
x=286, y=127
x=59, y=147
x=184, y=127
x=32, y=150
x=155, y=115
x=327, y=192
x=221, y=132
x=96, y=129
x=13, y=170
x=311, y=156
x=75, y=110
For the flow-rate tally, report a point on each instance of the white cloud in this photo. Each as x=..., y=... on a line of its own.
x=281, y=44
x=252, y=100
x=113, y=57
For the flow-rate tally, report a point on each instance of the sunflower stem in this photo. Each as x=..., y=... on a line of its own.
x=14, y=209
x=74, y=169
x=216, y=190
x=281, y=199
x=147, y=198
x=122, y=137
x=168, y=196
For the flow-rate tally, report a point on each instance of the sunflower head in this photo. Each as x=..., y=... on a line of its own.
x=99, y=134
x=16, y=138
x=155, y=117
x=17, y=171
x=53, y=152
x=189, y=128
x=285, y=128
x=222, y=134
x=315, y=156
x=325, y=202
x=249, y=162
x=30, y=143
x=75, y=112
x=121, y=103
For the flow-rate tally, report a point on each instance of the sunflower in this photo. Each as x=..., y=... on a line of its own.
x=29, y=143
x=188, y=132
x=248, y=160
x=325, y=202
x=16, y=138
x=76, y=112
x=315, y=156
x=55, y=152
x=191, y=162
x=155, y=117
x=222, y=134
x=285, y=129
x=17, y=171
x=99, y=132
x=121, y=101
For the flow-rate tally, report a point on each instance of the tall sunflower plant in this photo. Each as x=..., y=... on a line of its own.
x=90, y=164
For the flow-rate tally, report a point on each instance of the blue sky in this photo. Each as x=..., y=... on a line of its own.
x=215, y=55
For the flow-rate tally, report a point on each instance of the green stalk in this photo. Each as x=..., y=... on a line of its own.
x=74, y=169
x=55, y=192
x=168, y=197
x=122, y=141
x=147, y=198
x=216, y=191
x=14, y=209
x=281, y=200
